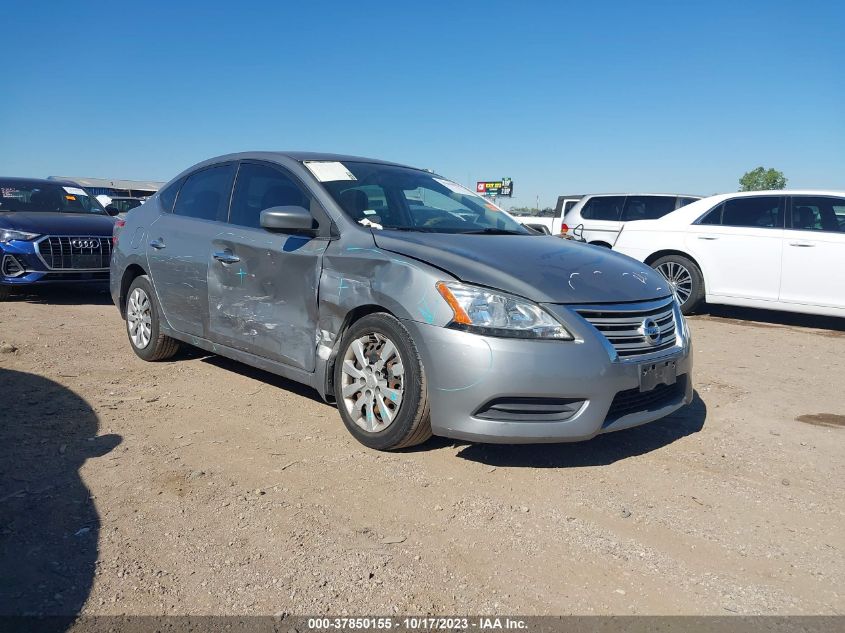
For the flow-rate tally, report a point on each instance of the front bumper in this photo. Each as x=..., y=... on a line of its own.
x=21, y=266
x=591, y=392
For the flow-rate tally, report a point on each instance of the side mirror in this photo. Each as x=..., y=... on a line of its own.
x=112, y=210
x=288, y=219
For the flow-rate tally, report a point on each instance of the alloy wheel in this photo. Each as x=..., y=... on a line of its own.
x=139, y=318
x=372, y=381
x=678, y=277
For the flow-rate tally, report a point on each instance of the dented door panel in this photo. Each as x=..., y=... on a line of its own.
x=262, y=296
x=179, y=268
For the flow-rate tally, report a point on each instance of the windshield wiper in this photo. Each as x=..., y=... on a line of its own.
x=413, y=229
x=492, y=231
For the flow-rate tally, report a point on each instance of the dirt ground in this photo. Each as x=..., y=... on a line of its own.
x=202, y=486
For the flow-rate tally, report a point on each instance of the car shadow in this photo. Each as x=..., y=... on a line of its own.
x=49, y=525
x=62, y=295
x=599, y=451
x=266, y=377
x=761, y=318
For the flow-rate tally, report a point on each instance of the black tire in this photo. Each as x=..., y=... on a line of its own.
x=5, y=291
x=695, y=288
x=411, y=423
x=158, y=346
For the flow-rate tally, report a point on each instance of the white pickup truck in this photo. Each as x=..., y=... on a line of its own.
x=550, y=224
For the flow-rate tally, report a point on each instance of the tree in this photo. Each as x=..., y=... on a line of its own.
x=762, y=179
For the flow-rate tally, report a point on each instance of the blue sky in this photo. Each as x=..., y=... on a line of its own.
x=563, y=97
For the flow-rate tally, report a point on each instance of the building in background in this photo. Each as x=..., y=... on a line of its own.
x=114, y=188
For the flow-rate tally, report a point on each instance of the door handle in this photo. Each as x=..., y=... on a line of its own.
x=708, y=237
x=157, y=244
x=802, y=244
x=227, y=257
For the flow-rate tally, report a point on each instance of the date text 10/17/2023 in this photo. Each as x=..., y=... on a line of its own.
x=420, y=623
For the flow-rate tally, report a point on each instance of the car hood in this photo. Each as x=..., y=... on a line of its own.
x=543, y=269
x=58, y=223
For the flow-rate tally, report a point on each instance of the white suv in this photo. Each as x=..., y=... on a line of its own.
x=604, y=214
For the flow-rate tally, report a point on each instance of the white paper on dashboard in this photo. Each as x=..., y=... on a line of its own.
x=328, y=171
x=75, y=191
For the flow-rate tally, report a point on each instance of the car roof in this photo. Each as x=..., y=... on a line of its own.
x=672, y=195
x=37, y=181
x=779, y=192
x=303, y=156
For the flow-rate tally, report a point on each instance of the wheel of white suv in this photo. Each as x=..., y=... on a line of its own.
x=380, y=386
x=685, y=278
x=142, y=323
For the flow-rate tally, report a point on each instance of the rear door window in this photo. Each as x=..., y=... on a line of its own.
x=714, y=216
x=205, y=194
x=754, y=212
x=603, y=208
x=167, y=196
x=682, y=202
x=647, y=207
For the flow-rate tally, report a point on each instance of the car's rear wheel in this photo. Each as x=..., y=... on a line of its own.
x=142, y=323
x=380, y=386
x=685, y=278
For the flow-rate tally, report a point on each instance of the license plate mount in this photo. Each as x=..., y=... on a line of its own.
x=664, y=372
x=86, y=261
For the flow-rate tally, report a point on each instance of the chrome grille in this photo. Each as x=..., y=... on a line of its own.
x=623, y=326
x=75, y=252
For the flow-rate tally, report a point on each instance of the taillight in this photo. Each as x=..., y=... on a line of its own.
x=564, y=228
x=118, y=224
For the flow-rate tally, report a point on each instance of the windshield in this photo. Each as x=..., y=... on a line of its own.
x=399, y=198
x=46, y=198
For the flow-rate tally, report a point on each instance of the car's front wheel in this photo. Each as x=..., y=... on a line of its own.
x=5, y=291
x=685, y=278
x=380, y=385
x=142, y=323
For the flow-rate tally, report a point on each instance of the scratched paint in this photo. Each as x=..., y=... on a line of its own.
x=476, y=368
x=425, y=311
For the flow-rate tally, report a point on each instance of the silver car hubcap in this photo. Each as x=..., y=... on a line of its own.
x=372, y=382
x=139, y=318
x=678, y=277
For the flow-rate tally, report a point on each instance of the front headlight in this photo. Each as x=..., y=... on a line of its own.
x=493, y=313
x=7, y=235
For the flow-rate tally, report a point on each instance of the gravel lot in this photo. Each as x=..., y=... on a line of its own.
x=202, y=486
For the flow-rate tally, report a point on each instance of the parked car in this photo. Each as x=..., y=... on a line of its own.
x=603, y=215
x=51, y=232
x=551, y=223
x=121, y=205
x=413, y=303
x=783, y=250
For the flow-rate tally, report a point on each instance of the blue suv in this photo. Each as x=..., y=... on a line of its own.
x=51, y=232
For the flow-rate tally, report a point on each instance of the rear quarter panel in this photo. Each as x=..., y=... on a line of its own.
x=131, y=246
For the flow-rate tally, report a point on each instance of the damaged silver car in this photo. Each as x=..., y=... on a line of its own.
x=414, y=304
